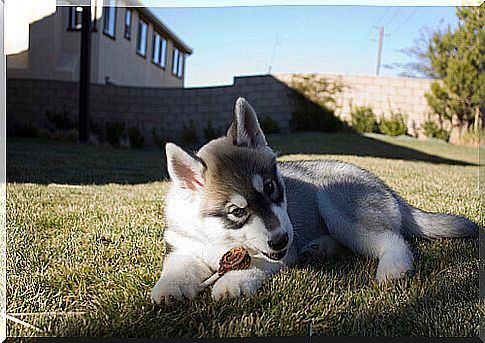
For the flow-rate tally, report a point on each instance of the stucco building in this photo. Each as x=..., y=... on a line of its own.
x=129, y=46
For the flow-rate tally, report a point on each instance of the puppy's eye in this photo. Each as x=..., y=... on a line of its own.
x=269, y=187
x=237, y=212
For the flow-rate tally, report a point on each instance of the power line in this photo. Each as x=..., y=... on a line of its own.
x=373, y=27
x=407, y=19
x=394, y=16
x=383, y=14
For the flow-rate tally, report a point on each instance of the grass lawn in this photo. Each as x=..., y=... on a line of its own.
x=85, y=227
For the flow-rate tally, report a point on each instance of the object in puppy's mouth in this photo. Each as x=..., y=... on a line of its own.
x=237, y=258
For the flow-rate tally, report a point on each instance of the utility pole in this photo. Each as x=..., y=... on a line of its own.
x=84, y=75
x=379, y=49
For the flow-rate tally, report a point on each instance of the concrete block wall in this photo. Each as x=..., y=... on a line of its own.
x=167, y=110
x=383, y=93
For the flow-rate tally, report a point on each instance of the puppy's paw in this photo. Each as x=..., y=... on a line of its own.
x=394, y=266
x=168, y=291
x=236, y=284
x=323, y=246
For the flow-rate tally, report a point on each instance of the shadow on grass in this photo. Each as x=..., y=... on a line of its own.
x=369, y=310
x=428, y=298
x=43, y=161
x=350, y=143
x=47, y=161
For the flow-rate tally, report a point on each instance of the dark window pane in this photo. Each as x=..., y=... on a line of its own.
x=181, y=65
x=128, y=15
x=163, y=53
x=141, y=46
x=75, y=17
x=156, y=48
x=109, y=25
x=175, y=61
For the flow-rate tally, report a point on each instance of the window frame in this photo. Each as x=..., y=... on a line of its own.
x=181, y=65
x=154, y=54
x=106, y=31
x=175, y=61
x=138, y=37
x=163, y=52
x=128, y=28
x=70, y=26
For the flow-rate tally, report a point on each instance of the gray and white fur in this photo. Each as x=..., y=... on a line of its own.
x=234, y=193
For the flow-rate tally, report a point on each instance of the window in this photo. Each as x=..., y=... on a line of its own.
x=159, y=51
x=175, y=61
x=109, y=25
x=141, y=44
x=128, y=15
x=163, y=57
x=75, y=17
x=156, y=48
x=180, y=71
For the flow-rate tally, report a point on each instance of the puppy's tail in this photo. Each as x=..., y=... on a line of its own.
x=434, y=225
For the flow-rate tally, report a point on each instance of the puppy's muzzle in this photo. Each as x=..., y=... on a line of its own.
x=279, y=243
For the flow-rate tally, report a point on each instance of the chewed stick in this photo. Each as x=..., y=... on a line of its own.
x=237, y=258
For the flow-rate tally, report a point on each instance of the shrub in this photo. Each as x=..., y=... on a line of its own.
x=309, y=116
x=156, y=138
x=137, y=140
x=113, y=132
x=61, y=121
x=188, y=134
x=394, y=126
x=314, y=103
x=364, y=119
x=432, y=130
x=160, y=140
x=210, y=133
x=269, y=125
x=95, y=128
x=28, y=130
x=472, y=138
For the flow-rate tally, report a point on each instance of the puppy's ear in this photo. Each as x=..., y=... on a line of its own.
x=185, y=170
x=245, y=129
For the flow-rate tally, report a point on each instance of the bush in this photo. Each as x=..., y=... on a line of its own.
x=61, y=121
x=210, y=133
x=269, y=125
x=113, y=132
x=308, y=116
x=160, y=140
x=432, y=130
x=472, y=138
x=364, y=119
x=188, y=134
x=394, y=126
x=28, y=130
x=137, y=140
x=95, y=128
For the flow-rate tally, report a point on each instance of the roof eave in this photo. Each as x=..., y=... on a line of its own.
x=158, y=23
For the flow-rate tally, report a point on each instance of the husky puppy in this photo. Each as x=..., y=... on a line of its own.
x=233, y=192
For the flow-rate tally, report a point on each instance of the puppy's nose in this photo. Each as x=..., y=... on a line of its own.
x=279, y=243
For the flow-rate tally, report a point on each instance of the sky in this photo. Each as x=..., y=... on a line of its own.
x=232, y=41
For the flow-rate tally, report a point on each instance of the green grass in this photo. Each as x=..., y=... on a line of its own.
x=85, y=227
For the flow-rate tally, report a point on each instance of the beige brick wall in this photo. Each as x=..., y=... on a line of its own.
x=383, y=93
x=167, y=110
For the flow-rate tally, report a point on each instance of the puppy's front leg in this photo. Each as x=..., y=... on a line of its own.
x=236, y=283
x=181, y=276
